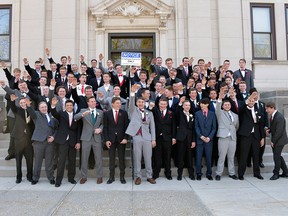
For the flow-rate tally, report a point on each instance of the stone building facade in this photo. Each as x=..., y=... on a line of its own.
x=211, y=29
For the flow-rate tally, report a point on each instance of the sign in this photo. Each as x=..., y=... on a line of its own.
x=130, y=58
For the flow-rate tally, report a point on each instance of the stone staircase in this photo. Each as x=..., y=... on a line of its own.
x=8, y=168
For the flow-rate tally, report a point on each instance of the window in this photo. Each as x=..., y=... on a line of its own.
x=263, y=32
x=5, y=33
x=135, y=42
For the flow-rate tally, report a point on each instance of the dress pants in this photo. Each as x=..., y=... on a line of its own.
x=23, y=146
x=43, y=150
x=226, y=146
x=185, y=152
x=11, y=149
x=141, y=145
x=162, y=156
x=279, y=160
x=64, y=151
x=245, y=144
x=97, y=150
x=207, y=148
x=121, y=156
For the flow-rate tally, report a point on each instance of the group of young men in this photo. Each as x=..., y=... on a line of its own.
x=169, y=113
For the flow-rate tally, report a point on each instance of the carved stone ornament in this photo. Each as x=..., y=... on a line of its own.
x=130, y=9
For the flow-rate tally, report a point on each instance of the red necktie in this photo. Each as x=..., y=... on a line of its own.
x=162, y=114
x=236, y=107
x=116, y=116
x=82, y=90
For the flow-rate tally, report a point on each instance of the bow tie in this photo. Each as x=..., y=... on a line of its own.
x=170, y=98
x=120, y=75
x=214, y=101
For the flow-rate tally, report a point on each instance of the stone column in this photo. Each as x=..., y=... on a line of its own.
x=163, y=42
x=180, y=30
x=100, y=43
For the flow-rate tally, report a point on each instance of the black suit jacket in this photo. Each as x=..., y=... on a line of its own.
x=204, y=95
x=165, y=126
x=247, y=123
x=115, y=132
x=93, y=82
x=81, y=101
x=240, y=103
x=278, y=130
x=185, y=129
x=74, y=131
x=124, y=86
x=181, y=74
x=69, y=69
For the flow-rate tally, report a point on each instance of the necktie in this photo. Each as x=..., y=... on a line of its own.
x=93, y=117
x=236, y=107
x=63, y=80
x=205, y=114
x=187, y=116
x=186, y=71
x=143, y=116
x=27, y=117
x=230, y=117
x=116, y=116
x=70, y=119
x=48, y=119
x=82, y=90
x=162, y=114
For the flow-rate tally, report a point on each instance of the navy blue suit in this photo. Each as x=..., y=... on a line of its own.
x=204, y=126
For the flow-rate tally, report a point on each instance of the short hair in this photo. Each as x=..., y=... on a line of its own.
x=88, y=98
x=62, y=68
x=81, y=75
x=190, y=90
x=107, y=74
x=252, y=90
x=205, y=101
x=83, y=64
x=116, y=85
x=53, y=63
x=173, y=69
x=184, y=58
x=88, y=87
x=168, y=59
x=94, y=60
x=37, y=62
x=196, y=65
x=242, y=82
x=226, y=101
x=242, y=59
x=69, y=101
x=59, y=87
x=140, y=98
x=227, y=77
x=271, y=105
x=226, y=60
x=169, y=88
x=17, y=70
x=231, y=72
x=62, y=57
x=116, y=65
x=142, y=72
x=211, y=90
x=200, y=60
x=114, y=99
x=42, y=102
x=159, y=57
x=143, y=90
x=163, y=99
x=21, y=81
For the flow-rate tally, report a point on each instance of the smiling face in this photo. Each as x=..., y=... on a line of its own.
x=140, y=103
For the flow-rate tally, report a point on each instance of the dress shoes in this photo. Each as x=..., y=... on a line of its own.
x=110, y=180
x=283, y=175
x=33, y=182
x=72, y=181
x=83, y=180
x=52, y=182
x=274, y=177
x=57, y=184
x=179, y=177
x=192, y=177
x=241, y=178
x=18, y=181
x=261, y=165
x=151, y=181
x=138, y=181
x=169, y=177
x=209, y=177
x=198, y=177
x=233, y=177
x=258, y=177
x=99, y=180
x=9, y=157
x=54, y=167
x=155, y=176
x=218, y=178
x=29, y=179
x=249, y=165
x=122, y=180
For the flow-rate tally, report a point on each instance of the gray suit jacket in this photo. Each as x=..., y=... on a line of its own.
x=88, y=128
x=225, y=125
x=106, y=94
x=42, y=130
x=59, y=105
x=108, y=103
x=278, y=130
x=148, y=126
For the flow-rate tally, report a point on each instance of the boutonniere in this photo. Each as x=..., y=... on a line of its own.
x=191, y=116
x=97, y=113
x=169, y=112
x=146, y=113
x=120, y=114
x=197, y=103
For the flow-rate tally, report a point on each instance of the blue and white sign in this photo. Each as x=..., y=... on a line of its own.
x=130, y=58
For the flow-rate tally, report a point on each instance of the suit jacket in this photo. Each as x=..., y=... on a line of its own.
x=181, y=74
x=136, y=122
x=212, y=107
x=185, y=129
x=225, y=125
x=65, y=129
x=205, y=126
x=68, y=66
x=93, y=82
x=50, y=73
x=194, y=108
x=108, y=93
x=21, y=128
x=247, y=123
x=248, y=78
x=170, y=82
x=34, y=75
x=115, y=132
x=108, y=103
x=159, y=70
x=42, y=129
x=88, y=126
x=260, y=107
x=278, y=130
x=11, y=79
x=165, y=127
x=240, y=103
x=204, y=95
x=124, y=85
x=173, y=107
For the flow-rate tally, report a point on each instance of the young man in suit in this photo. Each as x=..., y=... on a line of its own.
x=121, y=80
x=43, y=141
x=252, y=135
x=185, y=137
x=91, y=138
x=278, y=140
x=107, y=88
x=115, y=124
x=22, y=133
x=97, y=81
x=228, y=124
x=184, y=71
x=165, y=137
x=67, y=139
x=142, y=130
x=244, y=74
x=205, y=127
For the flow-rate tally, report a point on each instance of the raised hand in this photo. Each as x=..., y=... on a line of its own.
x=13, y=97
x=81, y=58
x=52, y=82
x=3, y=64
x=153, y=61
x=69, y=59
x=28, y=102
x=47, y=51
x=135, y=88
x=132, y=70
x=191, y=60
x=41, y=61
x=182, y=99
x=100, y=94
x=74, y=82
x=101, y=57
x=25, y=60
x=54, y=101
